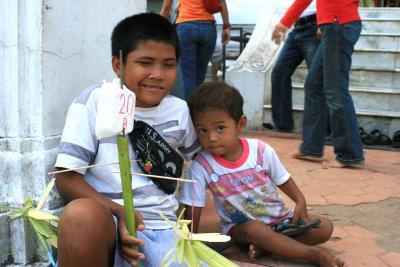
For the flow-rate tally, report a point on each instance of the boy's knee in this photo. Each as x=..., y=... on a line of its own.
x=327, y=229
x=252, y=229
x=85, y=212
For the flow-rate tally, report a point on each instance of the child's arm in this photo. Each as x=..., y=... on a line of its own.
x=196, y=216
x=291, y=190
x=72, y=185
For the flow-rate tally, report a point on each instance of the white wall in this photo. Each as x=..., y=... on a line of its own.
x=50, y=50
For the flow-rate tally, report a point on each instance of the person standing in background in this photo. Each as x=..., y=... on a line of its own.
x=327, y=83
x=301, y=44
x=197, y=34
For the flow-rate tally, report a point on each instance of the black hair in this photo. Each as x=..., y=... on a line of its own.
x=216, y=96
x=137, y=29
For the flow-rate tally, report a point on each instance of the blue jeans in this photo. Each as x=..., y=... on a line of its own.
x=197, y=43
x=301, y=44
x=327, y=91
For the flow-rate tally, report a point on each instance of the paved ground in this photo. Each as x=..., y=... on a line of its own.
x=364, y=205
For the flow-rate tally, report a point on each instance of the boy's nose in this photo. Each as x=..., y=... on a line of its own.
x=156, y=73
x=212, y=136
x=153, y=77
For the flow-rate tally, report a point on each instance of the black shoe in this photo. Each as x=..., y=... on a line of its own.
x=269, y=126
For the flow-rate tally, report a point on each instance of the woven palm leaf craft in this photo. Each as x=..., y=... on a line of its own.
x=43, y=224
x=190, y=249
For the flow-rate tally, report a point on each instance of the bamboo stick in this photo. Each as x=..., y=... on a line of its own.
x=162, y=177
x=88, y=167
x=126, y=182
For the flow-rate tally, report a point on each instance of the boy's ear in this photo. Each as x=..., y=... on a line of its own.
x=115, y=65
x=242, y=123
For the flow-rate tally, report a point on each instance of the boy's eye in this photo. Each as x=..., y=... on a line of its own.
x=201, y=131
x=144, y=62
x=221, y=128
x=170, y=65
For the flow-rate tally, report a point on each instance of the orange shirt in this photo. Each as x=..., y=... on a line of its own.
x=328, y=11
x=193, y=10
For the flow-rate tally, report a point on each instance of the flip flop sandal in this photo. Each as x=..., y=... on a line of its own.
x=369, y=139
x=396, y=139
x=379, y=138
x=291, y=229
x=365, y=138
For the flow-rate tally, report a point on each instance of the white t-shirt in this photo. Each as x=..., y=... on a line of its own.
x=242, y=190
x=80, y=147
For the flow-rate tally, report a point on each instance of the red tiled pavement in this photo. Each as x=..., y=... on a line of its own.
x=379, y=180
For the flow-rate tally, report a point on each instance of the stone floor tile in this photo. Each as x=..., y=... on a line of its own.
x=355, y=260
x=341, y=199
x=392, y=259
x=357, y=231
x=373, y=197
x=339, y=232
x=360, y=246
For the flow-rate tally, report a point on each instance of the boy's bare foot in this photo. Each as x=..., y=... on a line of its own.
x=254, y=252
x=325, y=259
x=301, y=155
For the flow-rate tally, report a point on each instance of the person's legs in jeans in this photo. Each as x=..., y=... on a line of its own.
x=187, y=34
x=339, y=45
x=281, y=84
x=315, y=108
x=197, y=42
x=205, y=49
x=300, y=44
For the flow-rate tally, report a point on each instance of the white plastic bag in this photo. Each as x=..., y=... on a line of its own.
x=115, y=110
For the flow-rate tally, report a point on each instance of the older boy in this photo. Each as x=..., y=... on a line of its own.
x=93, y=225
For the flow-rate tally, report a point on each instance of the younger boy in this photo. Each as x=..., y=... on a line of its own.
x=242, y=175
x=93, y=225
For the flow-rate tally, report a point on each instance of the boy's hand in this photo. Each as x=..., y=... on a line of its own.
x=300, y=212
x=126, y=241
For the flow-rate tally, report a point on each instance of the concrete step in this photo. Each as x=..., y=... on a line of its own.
x=364, y=98
x=379, y=13
x=362, y=77
x=382, y=25
x=376, y=59
x=379, y=41
x=387, y=122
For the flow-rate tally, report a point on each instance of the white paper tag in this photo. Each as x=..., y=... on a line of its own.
x=115, y=110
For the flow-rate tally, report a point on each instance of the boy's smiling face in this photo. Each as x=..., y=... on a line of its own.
x=149, y=71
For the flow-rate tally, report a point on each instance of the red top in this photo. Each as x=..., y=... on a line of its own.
x=327, y=11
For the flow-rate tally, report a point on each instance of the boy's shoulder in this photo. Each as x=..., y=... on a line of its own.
x=83, y=96
x=253, y=142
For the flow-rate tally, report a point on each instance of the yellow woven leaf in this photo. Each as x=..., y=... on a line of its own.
x=45, y=194
x=40, y=215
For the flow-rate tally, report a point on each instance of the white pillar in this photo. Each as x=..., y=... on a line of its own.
x=50, y=50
